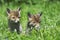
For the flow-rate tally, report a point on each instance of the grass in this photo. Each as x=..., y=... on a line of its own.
x=50, y=21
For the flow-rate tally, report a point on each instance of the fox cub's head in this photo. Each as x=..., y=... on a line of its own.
x=34, y=20
x=13, y=15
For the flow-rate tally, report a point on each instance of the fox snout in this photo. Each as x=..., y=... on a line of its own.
x=15, y=20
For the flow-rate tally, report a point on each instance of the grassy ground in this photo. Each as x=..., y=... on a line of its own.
x=50, y=21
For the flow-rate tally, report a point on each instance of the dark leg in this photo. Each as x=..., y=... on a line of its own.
x=11, y=29
x=37, y=28
x=28, y=29
x=18, y=31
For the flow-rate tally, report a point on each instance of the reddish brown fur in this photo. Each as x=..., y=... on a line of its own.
x=34, y=19
x=13, y=15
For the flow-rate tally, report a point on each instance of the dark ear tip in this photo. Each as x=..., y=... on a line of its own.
x=41, y=13
x=19, y=8
x=28, y=13
x=7, y=8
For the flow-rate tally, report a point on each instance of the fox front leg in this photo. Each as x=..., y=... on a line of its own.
x=28, y=29
x=11, y=29
x=37, y=27
x=20, y=28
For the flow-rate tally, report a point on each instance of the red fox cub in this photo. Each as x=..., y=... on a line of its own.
x=14, y=20
x=33, y=22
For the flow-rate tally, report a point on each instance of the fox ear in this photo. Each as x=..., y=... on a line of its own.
x=29, y=15
x=19, y=10
x=39, y=14
x=8, y=10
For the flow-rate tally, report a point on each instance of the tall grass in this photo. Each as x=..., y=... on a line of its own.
x=49, y=26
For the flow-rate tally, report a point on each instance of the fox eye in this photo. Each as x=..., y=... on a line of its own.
x=18, y=17
x=39, y=21
x=13, y=17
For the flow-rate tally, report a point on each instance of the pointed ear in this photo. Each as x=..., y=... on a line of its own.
x=29, y=15
x=19, y=10
x=39, y=14
x=8, y=11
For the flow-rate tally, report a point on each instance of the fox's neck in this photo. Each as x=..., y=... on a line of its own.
x=13, y=24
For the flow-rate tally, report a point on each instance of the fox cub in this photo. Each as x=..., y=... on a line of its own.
x=13, y=20
x=33, y=22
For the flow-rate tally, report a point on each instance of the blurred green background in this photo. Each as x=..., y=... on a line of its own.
x=50, y=19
